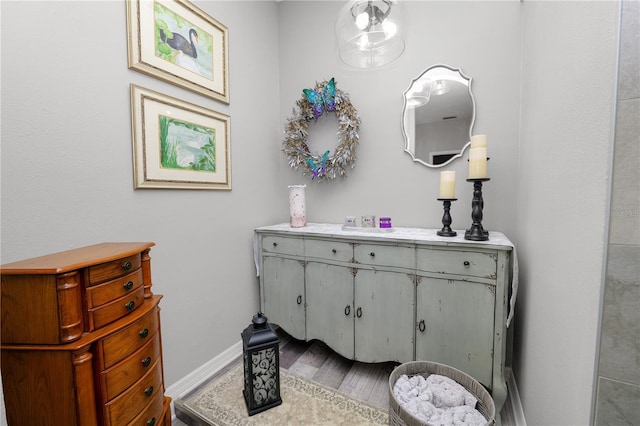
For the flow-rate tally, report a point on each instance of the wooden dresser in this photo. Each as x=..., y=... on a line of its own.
x=81, y=339
x=398, y=296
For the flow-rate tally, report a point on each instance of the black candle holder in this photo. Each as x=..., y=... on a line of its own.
x=477, y=232
x=446, y=230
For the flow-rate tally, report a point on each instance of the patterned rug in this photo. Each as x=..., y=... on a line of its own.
x=304, y=402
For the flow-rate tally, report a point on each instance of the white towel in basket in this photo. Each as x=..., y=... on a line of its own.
x=438, y=400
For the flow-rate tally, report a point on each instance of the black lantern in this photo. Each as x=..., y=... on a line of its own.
x=261, y=366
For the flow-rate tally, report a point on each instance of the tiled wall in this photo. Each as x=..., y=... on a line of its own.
x=618, y=392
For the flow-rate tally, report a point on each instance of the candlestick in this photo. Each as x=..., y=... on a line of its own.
x=447, y=184
x=477, y=232
x=446, y=230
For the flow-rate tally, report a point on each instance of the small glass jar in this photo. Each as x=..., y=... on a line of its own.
x=385, y=222
x=350, y=221
x=368, y=221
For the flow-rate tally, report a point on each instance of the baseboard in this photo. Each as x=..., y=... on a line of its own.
x=203, y=373
x=514, y=397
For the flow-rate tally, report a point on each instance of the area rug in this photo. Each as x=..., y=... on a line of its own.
x=304, y=402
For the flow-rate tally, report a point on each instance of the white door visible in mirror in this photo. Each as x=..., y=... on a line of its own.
x=438, y=115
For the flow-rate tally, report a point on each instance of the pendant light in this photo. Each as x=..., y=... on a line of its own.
x=370, y=33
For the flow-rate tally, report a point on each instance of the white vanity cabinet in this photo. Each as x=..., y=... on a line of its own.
x=401, y=295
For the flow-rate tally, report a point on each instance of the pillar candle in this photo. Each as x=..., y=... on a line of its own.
x=447, y=184
x=478, y=163
x=478, y=141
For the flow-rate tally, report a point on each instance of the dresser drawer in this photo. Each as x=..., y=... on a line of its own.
x=111, y=270
x=381, y=255
x=128, y=405
x=104, y=293
x=282, y=245
x=118, y=346
x=152, y=414
x=119, y=377
x=471, y=263
x=329, y=250
x=115, y=310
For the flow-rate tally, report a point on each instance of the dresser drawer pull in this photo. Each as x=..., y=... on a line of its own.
x=299, y=299
x=421, y=326
x=126, y=266
x=372, y=254
x=151, y=422
x=334, y=251
x=146, y=361
x=347, y=310
x=466, y=263
x=148, y=391
x=275, y=244
x=130, y=305
x=128, y=286
x=359, y=312
x=144, y=333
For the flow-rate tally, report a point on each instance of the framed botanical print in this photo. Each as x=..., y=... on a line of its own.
x=177, y=144
x=175, y=41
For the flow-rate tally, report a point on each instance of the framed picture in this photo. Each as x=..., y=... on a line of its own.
x=176, y=42
x=177, y=144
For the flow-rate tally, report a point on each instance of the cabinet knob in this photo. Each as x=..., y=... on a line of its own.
x=151, y=421
x=126, y=266
x=128, y=286
x=466, y=263
x=275, y=244
x=372, y=254
x=347, y=310
x=299, y=299
x=146, y=361
x=130, y=305
x=421, y=326
x=334, y=251
x=148, y=391
x=144, y=333
x=359, y=312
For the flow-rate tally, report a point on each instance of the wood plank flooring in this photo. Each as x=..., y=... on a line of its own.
x=316, y=361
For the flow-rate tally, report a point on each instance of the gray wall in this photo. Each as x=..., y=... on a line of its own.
x=618, y=382
x=67, y=174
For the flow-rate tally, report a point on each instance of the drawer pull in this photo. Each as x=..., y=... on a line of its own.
x=128, y=286
x=421, y=326
x=144, y=333
x=334, y=251
x=359, y=312
x=130, y=305
x=126, y=266
x=275, y=244
x=347, y=310
x=151, y=421
x=466, y=263
x=372, y=254
x=146, y=361
x=299, y=299
x=148, y=391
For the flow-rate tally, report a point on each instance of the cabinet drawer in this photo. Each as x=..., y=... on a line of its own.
x=329, y=250
x=152, y=414
x=123, y=343
x=475, y=264
x=131, y=403
x=115, y=310
x=104, y=293
x=380, y=255
x=111, y=270
x=282, y=245
x=122, y=375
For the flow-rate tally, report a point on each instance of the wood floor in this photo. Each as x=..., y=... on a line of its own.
x=316, y=361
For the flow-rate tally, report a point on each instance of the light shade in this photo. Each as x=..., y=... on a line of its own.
x=370, y=33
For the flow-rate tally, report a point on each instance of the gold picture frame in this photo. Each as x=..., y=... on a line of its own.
x=177, y=144
x=177, y=42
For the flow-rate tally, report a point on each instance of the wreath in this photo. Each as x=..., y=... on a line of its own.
x=324, y=97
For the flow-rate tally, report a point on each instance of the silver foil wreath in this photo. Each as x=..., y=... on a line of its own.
x=323, y=98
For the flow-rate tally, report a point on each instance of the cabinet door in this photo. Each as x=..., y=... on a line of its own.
x=330, y=306
x=283, y=294
x=455, y=325
x=384, y=309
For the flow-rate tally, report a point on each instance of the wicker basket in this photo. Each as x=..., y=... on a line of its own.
x=399, y=416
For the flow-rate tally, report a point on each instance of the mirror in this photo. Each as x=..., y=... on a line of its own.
x=438, y=116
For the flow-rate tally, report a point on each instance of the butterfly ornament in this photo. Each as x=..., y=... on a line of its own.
x=318, y=167
x=324, y=101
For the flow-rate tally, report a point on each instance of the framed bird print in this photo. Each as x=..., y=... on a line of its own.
x=175, y=41
x=178, y=145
